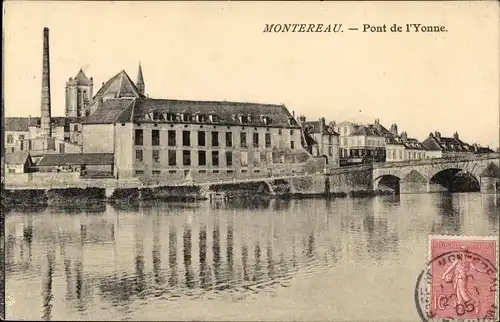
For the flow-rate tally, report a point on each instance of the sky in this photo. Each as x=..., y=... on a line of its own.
x=423, y=82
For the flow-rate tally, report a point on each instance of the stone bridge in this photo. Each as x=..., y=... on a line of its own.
x=434, y=175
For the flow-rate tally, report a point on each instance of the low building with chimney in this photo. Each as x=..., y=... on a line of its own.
x=48, y=134
x=321, y=140
x=439, y=146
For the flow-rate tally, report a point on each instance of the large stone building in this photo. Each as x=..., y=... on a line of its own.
x=321, y=140
x=158, y=139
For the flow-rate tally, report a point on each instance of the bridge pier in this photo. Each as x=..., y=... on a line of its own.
x=490, y=185
x=407, y=187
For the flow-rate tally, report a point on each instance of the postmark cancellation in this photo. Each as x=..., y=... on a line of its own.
x=460, y=281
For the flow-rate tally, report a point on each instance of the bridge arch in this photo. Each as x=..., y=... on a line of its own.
x=387, y=182
x=453, y=179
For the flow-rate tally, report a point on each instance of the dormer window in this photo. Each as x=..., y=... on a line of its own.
x=249, y=118
x=240, y=118
x=233, y=117
x=212, y=118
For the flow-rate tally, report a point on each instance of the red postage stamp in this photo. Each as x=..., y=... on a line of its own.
x=463, y=277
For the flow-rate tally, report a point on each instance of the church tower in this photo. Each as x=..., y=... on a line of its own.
x=140, y=80
x=78, y=95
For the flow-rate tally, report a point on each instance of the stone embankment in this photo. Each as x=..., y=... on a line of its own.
x=314, y=186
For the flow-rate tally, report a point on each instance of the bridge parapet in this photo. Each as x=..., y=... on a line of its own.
x=476, y=157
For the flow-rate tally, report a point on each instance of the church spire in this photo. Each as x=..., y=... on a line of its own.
x=140, y=80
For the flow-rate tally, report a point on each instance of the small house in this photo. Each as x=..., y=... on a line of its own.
x=18, y=162
x=85, y=163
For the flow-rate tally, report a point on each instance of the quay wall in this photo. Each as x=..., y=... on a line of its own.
x=54, y=188
x=358, y=179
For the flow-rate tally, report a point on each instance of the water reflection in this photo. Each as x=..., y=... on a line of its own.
x=218, y=251
x=47, y=295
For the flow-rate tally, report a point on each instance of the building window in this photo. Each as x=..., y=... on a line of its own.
x=268, y=140
x=75, y=128
x=186, y=138
x=21, y=137
x=291, y=132
x=256, y=140
x=201, y=138
x=292, y=145
x=156, y=172
x=139, y=172
x=186, y=157
x=61, y=147
x=330, y=151
x=229, y=139
x=280, y=131
x=172, y=157
x=139, y=138
x=138, y=155
x=256, y=157
x=269, y=157
x=229, y=159
x=243, y=140
x=171, y=138
x=10, y=139
x=29, y=144
x=202, y=158
x=330, y=139
x=215, y=138
x=215, y=158
x=400, y=154
x=156, y=156
x=244, y=159
x=155, y=137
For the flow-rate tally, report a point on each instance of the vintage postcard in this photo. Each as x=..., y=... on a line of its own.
x=250, y=161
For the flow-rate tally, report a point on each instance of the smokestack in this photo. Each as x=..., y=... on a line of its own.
x=45, y=106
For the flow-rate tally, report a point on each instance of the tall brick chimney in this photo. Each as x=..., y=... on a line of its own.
x=45, y=104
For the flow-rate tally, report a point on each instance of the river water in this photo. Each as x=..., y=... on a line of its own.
x=328, y=260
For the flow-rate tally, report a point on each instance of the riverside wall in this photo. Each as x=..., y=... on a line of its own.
x=56, y=188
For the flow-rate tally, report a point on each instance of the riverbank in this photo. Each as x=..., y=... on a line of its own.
x=88, y=197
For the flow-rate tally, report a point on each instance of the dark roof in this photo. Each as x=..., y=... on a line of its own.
x=20, y=124
x=82, y=79
x=315, y=127
x=365, y=130
x=227, y=113
x=76, y=159
x=16, y=157
x=446, y=144
x=411, y=143
x=112, y=111
x=381, y=130
x=140, y=78
x=309, y=140
x=483, y=150
x=408, y=143
x=119, y=86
